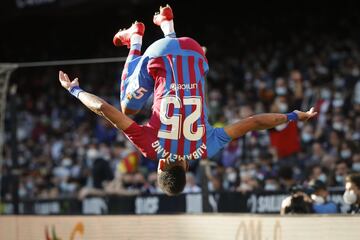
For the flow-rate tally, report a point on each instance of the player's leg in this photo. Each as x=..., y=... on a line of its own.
x=164, y=19
x=132, y=38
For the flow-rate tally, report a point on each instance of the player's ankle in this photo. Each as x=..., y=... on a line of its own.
x=136, y=39
x=168, y=28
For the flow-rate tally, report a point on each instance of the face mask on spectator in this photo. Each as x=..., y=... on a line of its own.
x=349, y=197
x=338, y=103
x=337, y=126
x=339, y=82
x=252, y=172
x=339, y=179
x=322, y=177
x=231, y=177
x=317, y=199
x=356, y=166
x=29, y=185
x=281, y=91
x=325, y=94
x=92, y=154
x=306, y=137
x=270, y=187
x=69, y=187
x=283, y=107
x=22, y=192
x=66, y=162
x=214, y=103
x=345, y=154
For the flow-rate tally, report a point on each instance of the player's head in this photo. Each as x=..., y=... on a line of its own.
x=172, y=176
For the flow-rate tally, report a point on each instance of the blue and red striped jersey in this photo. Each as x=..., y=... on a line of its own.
x=174, y=70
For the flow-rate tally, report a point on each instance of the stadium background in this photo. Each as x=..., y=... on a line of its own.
x=263, y=57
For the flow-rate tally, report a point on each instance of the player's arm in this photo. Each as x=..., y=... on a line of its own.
x=265, y=121
x=95, y=104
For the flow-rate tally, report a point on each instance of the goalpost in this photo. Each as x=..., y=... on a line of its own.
x=5, y=73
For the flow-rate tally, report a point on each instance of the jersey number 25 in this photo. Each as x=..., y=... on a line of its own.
x=175, y=119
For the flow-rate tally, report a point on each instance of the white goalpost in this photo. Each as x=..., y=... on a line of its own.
x=5, y=73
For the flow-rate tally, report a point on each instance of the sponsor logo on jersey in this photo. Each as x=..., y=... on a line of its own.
x=184, y=86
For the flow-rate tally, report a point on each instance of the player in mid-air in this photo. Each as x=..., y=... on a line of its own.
x=173, y=70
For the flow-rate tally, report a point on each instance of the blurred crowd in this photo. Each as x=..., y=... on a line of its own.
x=67, y=151
x=322, y=72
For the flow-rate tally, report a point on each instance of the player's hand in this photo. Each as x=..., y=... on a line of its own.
x=304, y=116
x=65, y=81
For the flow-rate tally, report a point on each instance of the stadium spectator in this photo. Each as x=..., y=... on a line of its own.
x=316, y=153
x=152, y=186
x=352, y=192
x=299, y=202
x=266, y=166
x=356, y=162
x=139, y=182
x=231, y=179
x=248, y=179
x=271, y=184
x=317, y=172
x=286, y=177
x=230, y=154
x=321, y=203
x=101, y=172
x=341, y=170
x=214, y=176
x=191, y=186
x=64, y=174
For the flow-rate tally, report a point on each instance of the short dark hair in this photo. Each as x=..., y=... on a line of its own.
x=173, y=180
x=316, y=185
x=354, y=178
